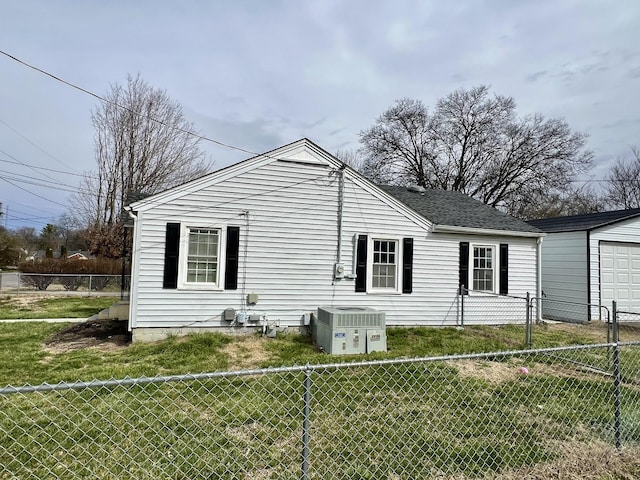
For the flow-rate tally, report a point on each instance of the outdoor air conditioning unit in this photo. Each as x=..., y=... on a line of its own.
x=350, y=330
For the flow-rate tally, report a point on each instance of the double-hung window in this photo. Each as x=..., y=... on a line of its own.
x=384, y=273
x=203, y=256
x=483, y=268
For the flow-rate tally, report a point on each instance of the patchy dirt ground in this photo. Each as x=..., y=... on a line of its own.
x=111, y=335
x=105, y=335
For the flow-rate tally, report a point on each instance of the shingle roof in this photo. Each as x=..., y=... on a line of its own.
x=457, y=210
x=585, y=222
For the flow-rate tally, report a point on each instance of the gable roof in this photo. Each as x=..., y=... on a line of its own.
x=436, y=209
x=586, y=222
x=457, y=210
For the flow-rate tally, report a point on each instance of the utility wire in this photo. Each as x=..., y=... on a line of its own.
x=105, y=100
x=34, y=144
x=19, y=162
x=17, y=177
x=32, y=193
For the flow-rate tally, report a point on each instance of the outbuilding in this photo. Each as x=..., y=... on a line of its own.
x=588, y=261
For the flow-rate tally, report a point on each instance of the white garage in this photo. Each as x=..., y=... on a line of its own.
x=588, y=261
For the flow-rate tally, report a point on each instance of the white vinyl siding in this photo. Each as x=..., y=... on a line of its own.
x=578, y=267
x=287, y=215
x=564, y=276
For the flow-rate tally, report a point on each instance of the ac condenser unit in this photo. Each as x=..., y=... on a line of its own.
x=350, y=330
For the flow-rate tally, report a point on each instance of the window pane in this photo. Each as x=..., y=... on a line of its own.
x=483, y=268
x=202, y=261
x=384, y=271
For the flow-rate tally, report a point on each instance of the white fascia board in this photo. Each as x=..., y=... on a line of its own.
x=224, y=174
x=485, y=231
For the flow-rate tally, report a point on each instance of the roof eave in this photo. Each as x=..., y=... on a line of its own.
x=485, y=231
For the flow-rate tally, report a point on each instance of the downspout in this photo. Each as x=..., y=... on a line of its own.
x=539, y=280
x=338, y=270
x=133, y=282
x=589, y=276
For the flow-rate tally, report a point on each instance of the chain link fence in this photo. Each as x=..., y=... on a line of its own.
x=492, y=415
x=51, y=284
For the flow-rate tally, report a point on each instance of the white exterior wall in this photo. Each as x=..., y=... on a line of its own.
x=623, y=232
x=288, y=247
x=564, y=276
x=564, y=268
x=482, y=308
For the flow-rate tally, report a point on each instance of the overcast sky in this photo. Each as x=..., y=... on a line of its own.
x=263, y=73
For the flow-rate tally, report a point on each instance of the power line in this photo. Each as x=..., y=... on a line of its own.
x=19, y=162
x=34, y=144
x=17, y=177
x=32, y=193
x=105, y=100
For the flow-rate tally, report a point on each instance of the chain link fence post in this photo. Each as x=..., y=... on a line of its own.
x=528, y=330
x=462, y=294
x=306, y=423
x=617, y=403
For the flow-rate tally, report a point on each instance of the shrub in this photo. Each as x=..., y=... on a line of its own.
x=39, y=273
x=43, y=272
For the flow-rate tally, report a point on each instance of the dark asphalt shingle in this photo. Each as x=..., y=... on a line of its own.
x=576, y=223
x=457, y=210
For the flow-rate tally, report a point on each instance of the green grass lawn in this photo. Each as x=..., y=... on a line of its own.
x=447, y=419
x=34, y=306
x=458, y=419
x=24, y=357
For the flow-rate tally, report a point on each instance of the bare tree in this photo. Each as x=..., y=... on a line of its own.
x=475, y=143
x=576, y=200
x=143, y=145
x=622, y=184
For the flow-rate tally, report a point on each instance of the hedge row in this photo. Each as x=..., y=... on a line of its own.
x=42, y=272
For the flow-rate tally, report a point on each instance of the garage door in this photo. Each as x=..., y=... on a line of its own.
x=620, y=275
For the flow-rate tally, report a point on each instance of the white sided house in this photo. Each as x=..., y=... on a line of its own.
x=589, y=261
x=267, y=241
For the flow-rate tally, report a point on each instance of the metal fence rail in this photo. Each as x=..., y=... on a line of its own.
x=460, y=416
x=87, y=284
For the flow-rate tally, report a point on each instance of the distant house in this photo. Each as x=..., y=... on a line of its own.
x=297, y=229
x=588, y=261
x=77, y=256
x=41, y=254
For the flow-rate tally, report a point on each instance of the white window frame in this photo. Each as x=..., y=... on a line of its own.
x=372, y=238
x=184, y=259
x=495, y=268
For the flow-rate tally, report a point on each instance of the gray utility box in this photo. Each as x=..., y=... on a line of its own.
x=350, y=330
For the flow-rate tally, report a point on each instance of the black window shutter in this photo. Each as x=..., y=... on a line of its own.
x=231, y=258
x=504, y=269
x=407, y=265
x=361, y=264
x=171, y=254
x=463, y=278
